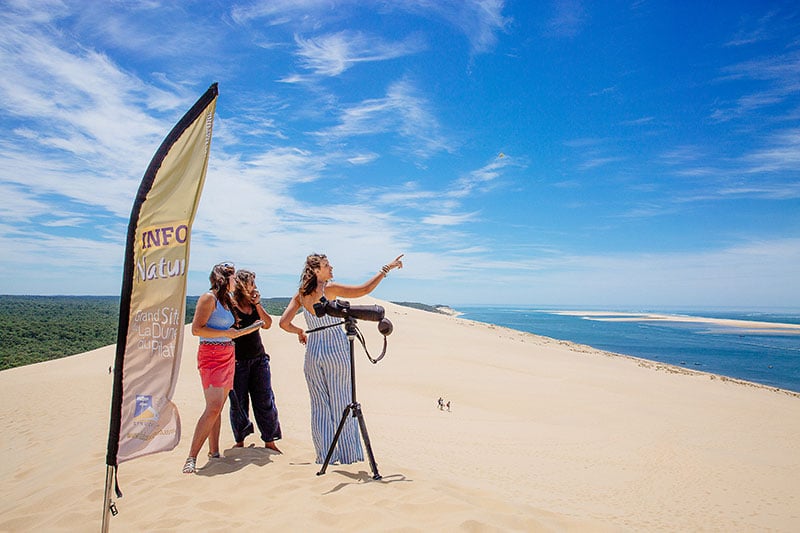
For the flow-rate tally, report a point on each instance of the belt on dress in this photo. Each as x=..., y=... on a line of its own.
x=217, y=343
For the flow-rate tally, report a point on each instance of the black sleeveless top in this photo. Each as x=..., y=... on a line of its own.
x=248, y=346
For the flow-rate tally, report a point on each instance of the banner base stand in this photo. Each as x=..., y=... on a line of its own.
x=109, y=508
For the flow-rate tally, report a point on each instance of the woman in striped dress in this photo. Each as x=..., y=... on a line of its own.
x=327, y=361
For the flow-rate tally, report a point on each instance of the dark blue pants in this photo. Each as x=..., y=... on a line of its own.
x=253, y=382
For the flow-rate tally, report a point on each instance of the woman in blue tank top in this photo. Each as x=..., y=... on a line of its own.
x=213, y=321
x=327, y=360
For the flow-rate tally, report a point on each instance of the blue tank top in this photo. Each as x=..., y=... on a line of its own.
x=220, y=318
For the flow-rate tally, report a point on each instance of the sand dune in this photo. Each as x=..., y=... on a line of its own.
x=543, y=435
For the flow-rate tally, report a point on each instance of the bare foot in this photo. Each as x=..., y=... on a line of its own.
x=271, y=446
x=239, y=445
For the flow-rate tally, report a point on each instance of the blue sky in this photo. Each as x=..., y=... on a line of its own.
x=640, y=153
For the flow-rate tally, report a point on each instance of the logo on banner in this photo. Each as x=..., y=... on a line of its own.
x=145, y=412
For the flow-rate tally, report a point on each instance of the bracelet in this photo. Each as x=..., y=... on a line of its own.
x=385, y=269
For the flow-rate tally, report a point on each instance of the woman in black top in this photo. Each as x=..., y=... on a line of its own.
x=253, y=380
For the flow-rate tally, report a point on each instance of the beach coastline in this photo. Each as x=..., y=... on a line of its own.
x=542, y=435
x=447, y=310
x=735, y=325
x=640, y=361
x=763, y=351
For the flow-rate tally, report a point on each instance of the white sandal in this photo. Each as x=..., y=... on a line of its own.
x=190, y=466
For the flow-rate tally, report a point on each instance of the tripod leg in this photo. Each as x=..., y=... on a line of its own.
x=355, y=407
x=365, y=435
x=335, y=439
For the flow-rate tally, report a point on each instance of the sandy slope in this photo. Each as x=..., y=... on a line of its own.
x=543, y=435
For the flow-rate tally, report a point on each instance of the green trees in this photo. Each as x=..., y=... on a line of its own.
x=41, y=328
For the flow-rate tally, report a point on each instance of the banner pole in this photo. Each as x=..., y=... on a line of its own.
x=107, y=499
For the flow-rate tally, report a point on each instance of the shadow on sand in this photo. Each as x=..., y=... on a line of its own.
x=234, y=459
x=365, y=477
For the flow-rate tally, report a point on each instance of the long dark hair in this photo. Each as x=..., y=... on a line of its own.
x=219, y=277
x=308, y=280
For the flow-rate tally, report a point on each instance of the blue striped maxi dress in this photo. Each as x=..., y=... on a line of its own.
x=327, y=371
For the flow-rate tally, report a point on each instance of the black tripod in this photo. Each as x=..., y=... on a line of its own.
x=354, y=406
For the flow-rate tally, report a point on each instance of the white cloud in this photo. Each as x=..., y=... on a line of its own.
x=363, y=159
x=754, y=31
x=761, y=273
x=481, y=179
x=19, y=205
x=638, y=121
x=409, y=195
x=683, y=154
x=449, y=219
x=568, y=19
x=478, y=20
x=782, y=153
x=401, y=111
x=332, y=54
x=778, y=79
x=278, y=11
x=786, y=191
x=40, y=251
x=83, y=131
x=362, y=174
x=596, y=162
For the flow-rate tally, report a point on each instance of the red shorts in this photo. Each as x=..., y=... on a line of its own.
x=217, y=365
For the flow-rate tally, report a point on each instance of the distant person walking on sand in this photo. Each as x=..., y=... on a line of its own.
x=327, y=359
x=213, y=318
x=252, y=380
x=448, y=406
x=441, y=403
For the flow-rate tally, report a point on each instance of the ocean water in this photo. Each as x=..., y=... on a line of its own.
x=769, y=359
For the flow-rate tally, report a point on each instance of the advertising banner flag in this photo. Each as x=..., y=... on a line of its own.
x=153, y=301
